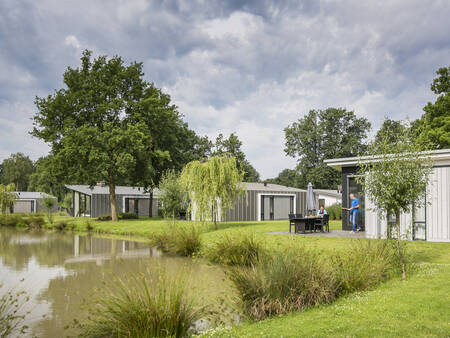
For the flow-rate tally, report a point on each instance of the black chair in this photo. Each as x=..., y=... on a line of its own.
x=298, y=216
x=291, y=221
x=323, y=222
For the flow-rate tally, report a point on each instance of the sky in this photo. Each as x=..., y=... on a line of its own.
x=248, y=67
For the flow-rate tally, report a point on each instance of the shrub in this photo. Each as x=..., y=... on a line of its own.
x=237, y=249
x=104, y=218
x=61, y=225
x=34, y=221
x=88, y=225
x=139, y=308
x=335, y=211
x=11, y=321
x=11, y=220
x=364, y=265
x=184, y=240
x=128, y=215
x=283, y=282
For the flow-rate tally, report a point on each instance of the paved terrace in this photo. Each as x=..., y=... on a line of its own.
x=332, y=233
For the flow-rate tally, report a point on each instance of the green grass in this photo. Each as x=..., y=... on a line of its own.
x=417, y=307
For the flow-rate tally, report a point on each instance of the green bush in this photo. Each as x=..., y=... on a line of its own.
x=366, y=264
x=283, y=282
x=61, y=225
x=128, y=215
x=34, y=221
x=11, y=220
x=104, y=218
x=140, y=308
x=238, y=249
x=183, y=240
x=335, y=211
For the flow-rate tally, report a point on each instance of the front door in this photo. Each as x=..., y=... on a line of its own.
x=356, y=189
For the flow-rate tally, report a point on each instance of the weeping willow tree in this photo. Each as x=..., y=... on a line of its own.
x=7, y=197
x=213, y=186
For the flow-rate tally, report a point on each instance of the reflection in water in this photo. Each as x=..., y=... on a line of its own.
x=61, y=272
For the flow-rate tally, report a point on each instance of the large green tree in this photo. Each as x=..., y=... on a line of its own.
x=435, y=122
x=232, y=146
x=287, y=177
x=324, y=134
x=90, y=124
x=17, y=169
x=45, y=178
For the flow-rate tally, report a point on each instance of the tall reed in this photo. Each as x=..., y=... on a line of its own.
x=142, y=308
x=12, y=322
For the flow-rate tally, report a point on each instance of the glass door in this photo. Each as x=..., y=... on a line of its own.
x=356, y=189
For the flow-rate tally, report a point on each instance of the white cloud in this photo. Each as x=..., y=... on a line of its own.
x=72, y=41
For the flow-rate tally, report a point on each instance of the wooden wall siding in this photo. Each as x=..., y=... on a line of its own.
x=438, y=215
x=100, y=205
x=248, y=212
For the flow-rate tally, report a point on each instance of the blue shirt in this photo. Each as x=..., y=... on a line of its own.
x=355, y=202
x=324, y=212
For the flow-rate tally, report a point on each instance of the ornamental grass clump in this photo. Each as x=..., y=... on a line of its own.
x=183, y=240
x=366, y=264
x=283, y=282
x=140, y=307
x=11, y=319
x=243, y=249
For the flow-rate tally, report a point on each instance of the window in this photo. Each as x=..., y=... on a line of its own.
x=271, y=208
x=419, y=229
x=291, y=207
x=262, y=208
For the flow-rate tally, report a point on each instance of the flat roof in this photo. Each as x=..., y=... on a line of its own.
x=256, y=186
x=436, y=155
x=104, y=190
x=32, y=195
x=329, y=192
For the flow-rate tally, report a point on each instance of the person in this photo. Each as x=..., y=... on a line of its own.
x=354, y=212
x=321, y=211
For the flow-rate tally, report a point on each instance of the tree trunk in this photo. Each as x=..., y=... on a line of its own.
x=214, y=214
x=401, y=254
x=112, y=201
x=150, y=208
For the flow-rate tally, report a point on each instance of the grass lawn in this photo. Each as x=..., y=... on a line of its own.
x=418, y=307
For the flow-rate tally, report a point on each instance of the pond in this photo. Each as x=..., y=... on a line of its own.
x=60, y=272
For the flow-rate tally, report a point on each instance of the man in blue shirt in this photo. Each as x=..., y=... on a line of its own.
x=354, y=212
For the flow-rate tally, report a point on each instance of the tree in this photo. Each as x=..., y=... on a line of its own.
x=390, y=130
x=213, y=186
x=324, y=134
x=17, y=169
x=232, y=146
x=7, y=197
x=171, y=194
x=91, y=125
x=435, y=122
x=49, y=202
x=45, y=178
x=67, y=202
x=396, y=179
x=287, y=177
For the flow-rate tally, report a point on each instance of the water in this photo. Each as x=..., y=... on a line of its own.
x=61, y=272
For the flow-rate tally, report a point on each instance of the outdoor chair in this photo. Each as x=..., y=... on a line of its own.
x=323, y=222
x=291, y=221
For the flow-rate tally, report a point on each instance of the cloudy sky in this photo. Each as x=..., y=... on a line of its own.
x=250, y=67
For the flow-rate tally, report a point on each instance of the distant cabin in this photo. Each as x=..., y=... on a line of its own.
x=94, y=201
x=30, y=202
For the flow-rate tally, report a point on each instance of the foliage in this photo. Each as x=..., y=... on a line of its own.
x=17, y=169
x=390, y=130
x=172, y=195
x=143, y=308
x=335, y=211
x=61, y=225
x=11, y=321
x=395, y=179
x=213, y=186
x=49, y=202
x=128, y=215
x=104, y=218
x=287, y=177
x=7, y=197
x=29, y=220
x=241, y=249
x=283, y=282
x=364, y=265
x=183, y=240
x=232, y=147
x=67, y=202
x=45, y=179
x=91, y=124
x=435, y=122
x=324, y=134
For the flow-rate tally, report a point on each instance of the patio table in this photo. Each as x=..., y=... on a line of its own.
x=305, y=223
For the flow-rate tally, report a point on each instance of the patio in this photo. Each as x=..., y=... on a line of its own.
x=332, y=233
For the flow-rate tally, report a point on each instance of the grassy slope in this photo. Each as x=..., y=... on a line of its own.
x=417, y=307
